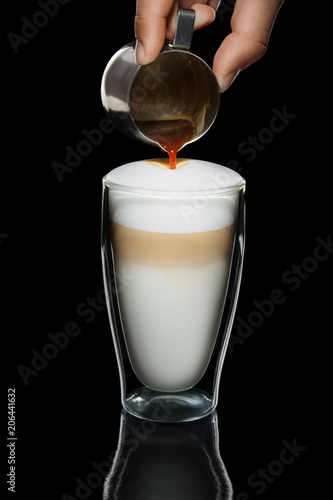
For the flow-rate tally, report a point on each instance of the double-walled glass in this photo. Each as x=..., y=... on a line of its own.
x=172, y=290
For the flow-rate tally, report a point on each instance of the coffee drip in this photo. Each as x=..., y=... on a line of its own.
x=172, y=135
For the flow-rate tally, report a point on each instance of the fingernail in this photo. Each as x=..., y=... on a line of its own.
x=225, y=81
x=139, y=52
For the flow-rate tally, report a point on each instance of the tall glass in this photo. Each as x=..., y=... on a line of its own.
x=172, y=261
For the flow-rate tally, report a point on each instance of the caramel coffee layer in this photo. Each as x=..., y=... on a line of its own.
x=165, y=162
x=171, y=249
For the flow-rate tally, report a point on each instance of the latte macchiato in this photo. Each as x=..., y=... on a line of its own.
x=172, y=237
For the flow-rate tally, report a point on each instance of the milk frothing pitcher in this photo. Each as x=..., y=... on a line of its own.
x=177, y=88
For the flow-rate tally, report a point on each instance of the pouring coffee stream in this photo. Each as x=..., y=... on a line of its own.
x=172, y=135
x=168, y=103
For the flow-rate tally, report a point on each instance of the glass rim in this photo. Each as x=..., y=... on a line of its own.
x=160, y=192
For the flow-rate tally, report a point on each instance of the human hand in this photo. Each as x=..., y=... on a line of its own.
x=251, y=25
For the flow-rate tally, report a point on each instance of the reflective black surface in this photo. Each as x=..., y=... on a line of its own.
x=167, y=461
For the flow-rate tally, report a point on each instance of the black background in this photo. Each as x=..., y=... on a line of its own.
x=67, y=413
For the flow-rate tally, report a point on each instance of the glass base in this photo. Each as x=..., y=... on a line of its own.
x=184, y=406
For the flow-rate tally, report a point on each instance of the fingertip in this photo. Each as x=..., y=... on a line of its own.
x=150, y=38
x=204, y=15
x=139, y=52
x=225, y=81
x=141, y=56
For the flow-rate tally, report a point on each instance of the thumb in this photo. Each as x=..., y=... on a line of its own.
x=236, y=53
x=251, y=24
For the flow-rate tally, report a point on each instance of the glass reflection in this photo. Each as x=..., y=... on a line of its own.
x=167, y=461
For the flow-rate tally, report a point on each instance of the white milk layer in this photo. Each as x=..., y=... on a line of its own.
x=171, y=318
x=171, y=313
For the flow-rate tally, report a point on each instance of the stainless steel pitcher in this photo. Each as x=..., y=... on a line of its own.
x=178, y=85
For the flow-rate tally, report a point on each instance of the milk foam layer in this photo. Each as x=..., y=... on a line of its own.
x=183, y=200
x=195, y=175
x=170, y=305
